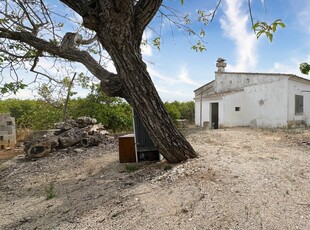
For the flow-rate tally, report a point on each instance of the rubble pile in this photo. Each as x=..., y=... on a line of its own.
x=82, y=132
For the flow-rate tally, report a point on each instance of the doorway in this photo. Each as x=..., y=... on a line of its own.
x=214, y=115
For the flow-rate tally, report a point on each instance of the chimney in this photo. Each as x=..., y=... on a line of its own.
x=221, y=64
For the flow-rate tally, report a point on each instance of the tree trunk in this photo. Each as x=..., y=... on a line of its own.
x=143, y=97
x=119, y=25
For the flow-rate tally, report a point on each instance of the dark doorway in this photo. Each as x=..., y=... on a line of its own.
x=215, y=115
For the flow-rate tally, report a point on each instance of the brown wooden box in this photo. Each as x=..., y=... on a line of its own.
x=127, y=151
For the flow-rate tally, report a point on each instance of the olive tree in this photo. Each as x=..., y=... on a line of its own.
x=30, y=30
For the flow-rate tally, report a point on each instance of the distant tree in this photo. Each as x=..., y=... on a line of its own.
x=36, y=115
x=173, y=111
x=114, y=113
x=304, y=68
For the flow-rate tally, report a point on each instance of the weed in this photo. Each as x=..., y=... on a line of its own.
x=131, y=167
x=167, y=167
x=50, y=191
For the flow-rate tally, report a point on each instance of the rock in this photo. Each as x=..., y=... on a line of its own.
x=40, y=147
x=70, y=137
x=85, y=121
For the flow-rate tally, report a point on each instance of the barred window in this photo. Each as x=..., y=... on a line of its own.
x=299, y=104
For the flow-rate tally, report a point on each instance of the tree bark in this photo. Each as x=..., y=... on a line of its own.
x=119, y=25
x=149, y=107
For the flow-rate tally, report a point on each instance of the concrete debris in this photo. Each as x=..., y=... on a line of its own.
x=7, y=131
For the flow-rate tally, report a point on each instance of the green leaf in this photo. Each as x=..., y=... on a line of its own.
x=281, y=24
x=12, y=87
x=199, y=47
x=255, y=26
x=304, y=68
x=156, y=42
x=269, y=30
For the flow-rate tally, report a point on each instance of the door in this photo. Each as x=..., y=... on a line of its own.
x=214, y=115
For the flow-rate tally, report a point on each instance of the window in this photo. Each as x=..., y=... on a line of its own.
x=299, y=105
x=237, y=109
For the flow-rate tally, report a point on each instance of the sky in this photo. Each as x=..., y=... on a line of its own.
x=177, y=70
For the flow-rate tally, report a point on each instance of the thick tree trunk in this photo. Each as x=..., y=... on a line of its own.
x=146, y=102
x=119, y=25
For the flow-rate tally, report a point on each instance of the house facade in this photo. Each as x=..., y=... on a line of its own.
x=252, y=99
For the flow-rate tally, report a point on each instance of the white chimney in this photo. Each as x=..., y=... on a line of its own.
x=221, y=64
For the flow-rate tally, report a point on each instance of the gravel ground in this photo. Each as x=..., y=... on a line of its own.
x=243, y=179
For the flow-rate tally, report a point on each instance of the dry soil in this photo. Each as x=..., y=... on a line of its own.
x=243, y=179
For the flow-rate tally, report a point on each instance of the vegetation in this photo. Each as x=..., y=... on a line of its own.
x=304, y=68
x=31, y=114
x=131, y=167
x=181, y=110
x=114, y=113
x=50, y=191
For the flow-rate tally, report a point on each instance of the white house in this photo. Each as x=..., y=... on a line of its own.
x=252, y=99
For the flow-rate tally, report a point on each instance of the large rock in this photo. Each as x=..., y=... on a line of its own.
x=70, y=137
x=40, y=147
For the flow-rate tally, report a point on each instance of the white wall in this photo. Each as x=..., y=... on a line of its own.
x=231, y=117
x=265, y=101
x=266, y=104
x=228, y=81
x=205, y=111
x=298, y=88
x=262, y=105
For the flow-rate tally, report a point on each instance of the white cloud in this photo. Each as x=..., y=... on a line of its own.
x=303, y=15
x=181, y=78
x=236, y=27
x=155, y=74
x=175, y=87
x=291, y=67
x=184, y=78
x=146, y=49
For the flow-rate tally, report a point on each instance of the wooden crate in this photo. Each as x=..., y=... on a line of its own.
x=127, y=152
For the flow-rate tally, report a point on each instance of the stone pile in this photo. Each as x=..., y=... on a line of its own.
x=82, y=132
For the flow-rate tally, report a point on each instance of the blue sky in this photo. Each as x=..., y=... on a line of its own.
x=177, y=70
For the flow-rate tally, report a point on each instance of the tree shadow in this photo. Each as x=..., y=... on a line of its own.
x=80, y=192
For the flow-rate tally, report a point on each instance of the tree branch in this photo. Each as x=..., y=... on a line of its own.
x=144, y=12
x=107, y=78
x=79, y=6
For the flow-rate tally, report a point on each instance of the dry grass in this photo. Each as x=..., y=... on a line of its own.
x=23, y=134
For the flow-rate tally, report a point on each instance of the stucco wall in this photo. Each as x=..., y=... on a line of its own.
x=262, y=105
x=266, y=104
x=228, y=81
x=265, y=100
x=298, y=88
x=205, y=110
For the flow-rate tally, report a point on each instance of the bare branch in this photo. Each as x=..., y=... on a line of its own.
x=250, y=11
x=76, y=55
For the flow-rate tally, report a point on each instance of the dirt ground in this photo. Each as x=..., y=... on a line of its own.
x=244, y=179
